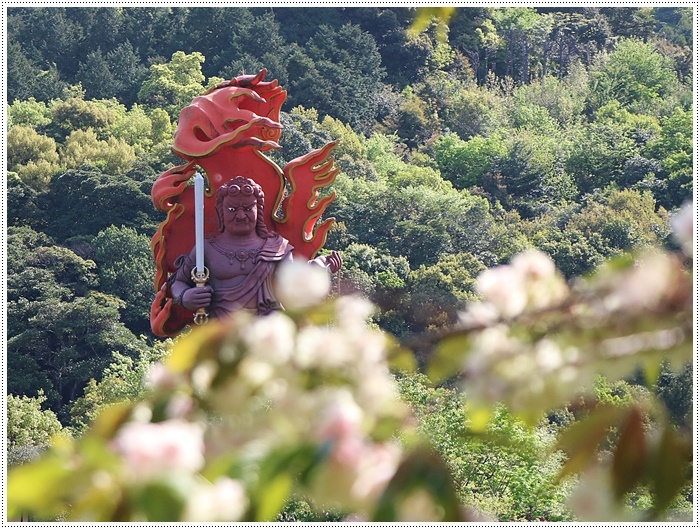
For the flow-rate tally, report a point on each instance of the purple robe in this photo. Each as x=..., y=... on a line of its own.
x=256, y=286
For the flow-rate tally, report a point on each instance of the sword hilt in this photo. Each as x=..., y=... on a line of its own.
x=201, y=316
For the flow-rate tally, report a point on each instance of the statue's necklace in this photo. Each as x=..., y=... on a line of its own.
x=239, y=255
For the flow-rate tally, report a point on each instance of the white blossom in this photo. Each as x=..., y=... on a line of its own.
x=318, y=347
x=531, y=281
x=644, y=286
x=224, y=501
x=149, y=449
x=593, y=499
x=255, y=372
x=353, y=311
x=179, y=406
x=271, y=338
x=299, y=285
x=377, y=465
x=503, y=287
x=534, y=265
x=548, y=356
x=340, y=417
x=203, y=374
x=682, y=226
x=479, y=315
x=377, y=390
x=159, y=377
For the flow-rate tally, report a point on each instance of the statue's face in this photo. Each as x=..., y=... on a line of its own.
x=240, y=214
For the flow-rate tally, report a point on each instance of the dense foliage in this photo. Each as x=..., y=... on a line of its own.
x=466, y=138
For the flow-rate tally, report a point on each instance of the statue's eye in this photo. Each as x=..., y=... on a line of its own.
x=232, y=209
x=249, y=208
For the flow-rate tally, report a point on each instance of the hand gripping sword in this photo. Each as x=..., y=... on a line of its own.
x=200, y=273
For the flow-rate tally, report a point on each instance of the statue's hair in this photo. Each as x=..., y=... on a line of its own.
x=243, y=186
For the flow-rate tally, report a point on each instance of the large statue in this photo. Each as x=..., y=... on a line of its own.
x=255, y=214
x=241, y=259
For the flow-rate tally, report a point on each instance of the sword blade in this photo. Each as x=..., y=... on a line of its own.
x=199, y=222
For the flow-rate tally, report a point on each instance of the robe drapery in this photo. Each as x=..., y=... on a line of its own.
x=257, y=286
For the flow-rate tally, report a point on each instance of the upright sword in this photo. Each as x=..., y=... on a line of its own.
x=200, y=273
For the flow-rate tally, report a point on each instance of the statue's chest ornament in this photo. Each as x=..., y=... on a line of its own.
x=240, y=256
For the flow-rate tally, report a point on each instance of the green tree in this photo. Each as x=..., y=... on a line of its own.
x=352, y=76
x=534, y=172
x=135, y=128
x=522, y=30
x=128, y=72
x=30, y=113
x=464, y=163
x=174, y=84
x=406, y=57
x=82, y=147
x=97, y=200
x=424, y=222
x=620, y=220
x=675, y=388
x=470, y=111
x=350, y=142
x=33, y=156
x=676, y=24
x=123, y=380
x=22, y=73
x=574, y=253
x=125, y=268
x=564, y=99
x=69, y=341
x=635, y=74
x=22, y=203
x=115, y=72
x=674, y=149
x=255, y=43
x=598, y=154
x=60, y=332
x=95, y=76
x=29, y=428
x=25, y=145
x=414, y=122
x=511, y=480
x=380, y=277
x=439, y=291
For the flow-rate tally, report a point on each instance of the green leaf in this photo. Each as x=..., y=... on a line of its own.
x=111, y=419
x=400, y=358
x=322, y=314
x=630, y=456
x=478, y=418
x=425, y=15
x=188, y=349
x=582, y=439
x=272, y=497
x=448, y=357
x=37, y=486
x=279, y=471
x=669, y=468
x=421, y=470
x=651, y=373
x=161, y=501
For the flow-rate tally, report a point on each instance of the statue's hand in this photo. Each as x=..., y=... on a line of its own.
x=197, y=297
x=334, y=261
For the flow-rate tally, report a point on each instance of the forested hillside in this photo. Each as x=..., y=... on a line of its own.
x=492, y=131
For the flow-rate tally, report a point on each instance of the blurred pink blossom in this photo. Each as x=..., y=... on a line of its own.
x=682, y=226
x=149, y=449
x=341, y=417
